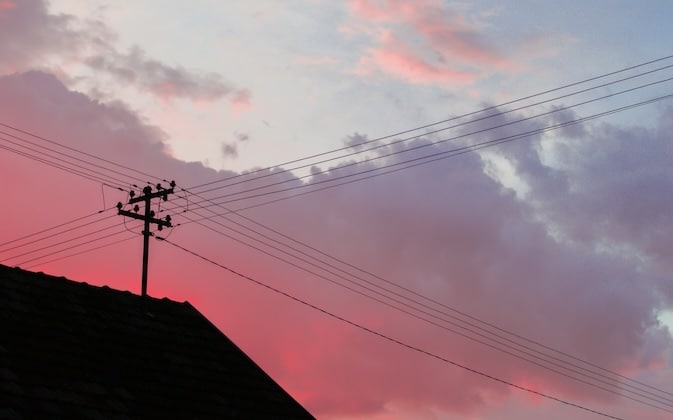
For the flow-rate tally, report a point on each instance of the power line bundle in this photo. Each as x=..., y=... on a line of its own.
x=208, y=205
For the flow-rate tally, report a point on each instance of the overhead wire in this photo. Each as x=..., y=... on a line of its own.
x=98, y=231
x=73, y=149
x=518, y=100
x=97, y=168
x=369, y=290
x=422, y=127
x=77, y=245
x=499, y=343
x=431, y=143
x=595, y=116
x=422, y=160
x=218, y=204
x=72, y=171
x=570, y=122
x=61, y=251
x=406, y=131
x=565, y=123
x=52, y=235
x=36, y=239
x=64, y=245
x=441, y=304
x=397, y=285
x=359, y=150
x=86, y=165
x=387, y=337
x=42, y=256
x=49, y=229
x=64, y=242
x=40, y=236
x=86, y=251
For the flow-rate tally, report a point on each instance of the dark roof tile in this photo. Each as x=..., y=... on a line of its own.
x=70, y=349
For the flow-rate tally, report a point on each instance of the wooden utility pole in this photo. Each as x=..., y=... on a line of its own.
x=148, y=218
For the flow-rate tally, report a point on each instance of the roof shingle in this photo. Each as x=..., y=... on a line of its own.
x=73, y=350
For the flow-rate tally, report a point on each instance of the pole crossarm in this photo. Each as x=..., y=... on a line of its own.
x=163, y=193
x=161, y=222
x=148, y=217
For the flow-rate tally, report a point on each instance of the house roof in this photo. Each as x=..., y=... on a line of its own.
x=73, y=350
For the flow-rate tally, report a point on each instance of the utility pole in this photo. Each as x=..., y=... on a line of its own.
x=148, y=218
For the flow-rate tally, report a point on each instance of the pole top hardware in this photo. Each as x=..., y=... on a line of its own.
x=148, y=217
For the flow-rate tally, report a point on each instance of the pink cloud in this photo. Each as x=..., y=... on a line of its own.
x=405, y=65
x=458, y=41
x=241, y=100
x=427, y=43
x=166, y=82
x=386, y=10
x=31, y=35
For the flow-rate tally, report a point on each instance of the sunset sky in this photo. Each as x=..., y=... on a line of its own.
x=333, y=154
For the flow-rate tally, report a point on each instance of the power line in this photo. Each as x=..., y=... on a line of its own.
x=72, y=171
x=482, y=343
x=389, y=338
x=74, y=238
x=313, y=273
x=36, y=238
x=367, y=160
x=40, y=239
x=499, y=346
x=86, y=251
x=23, y=263
x=575, y=121
x=361, y=151
x=72, y=149
x=490, y=108
x=586, y=118
x=379, y=157
x=399, y=133
x=13, y=257
x=405, y=289
x=344, y=148
x=54, y=227
x=74, y=158
x=417, y=147
x=422, y=160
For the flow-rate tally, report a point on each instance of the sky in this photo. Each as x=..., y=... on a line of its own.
x=336, y=212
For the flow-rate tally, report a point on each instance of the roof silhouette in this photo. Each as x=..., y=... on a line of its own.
x=73, y=350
